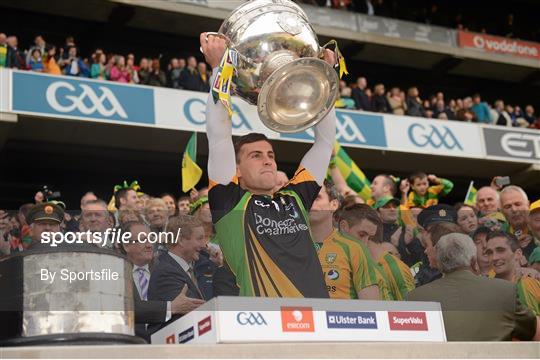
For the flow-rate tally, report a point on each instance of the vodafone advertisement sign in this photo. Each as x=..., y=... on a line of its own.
x=499, y=45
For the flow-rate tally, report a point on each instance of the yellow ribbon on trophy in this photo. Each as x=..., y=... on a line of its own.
x=221, y=88
x=341, y=66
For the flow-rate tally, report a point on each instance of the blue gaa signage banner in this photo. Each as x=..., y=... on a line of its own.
x=432, y=136
x=352, y=129
x=71, y=97
x=186, y=110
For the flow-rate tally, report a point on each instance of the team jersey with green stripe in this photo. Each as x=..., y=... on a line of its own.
x=432, y=195
x=529, y=293
x=398, y=274
x=266, y=240
x=348, y=268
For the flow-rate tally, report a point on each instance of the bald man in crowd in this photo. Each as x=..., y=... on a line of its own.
x=515, y=207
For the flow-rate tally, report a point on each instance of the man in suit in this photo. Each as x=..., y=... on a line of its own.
x=475, y=308
x=361, y=100
x=174, y=273
x=139, y=252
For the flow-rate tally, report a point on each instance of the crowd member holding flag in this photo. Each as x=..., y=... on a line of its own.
x=347, y=176
x=264, y=235
x=470, y=197
x=350, y=180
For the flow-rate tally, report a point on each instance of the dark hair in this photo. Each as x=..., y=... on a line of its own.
x=417, y=175
x=182, y=198
x=459, y=205
x=481, y=230
x=356, y=213
x=331, y=190
x=248, y=139
x=120, y=194
x=511, y=239
x=438, y=230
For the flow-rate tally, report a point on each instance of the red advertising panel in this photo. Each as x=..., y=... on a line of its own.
x=499, y=45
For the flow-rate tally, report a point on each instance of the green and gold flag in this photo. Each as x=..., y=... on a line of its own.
x=191, y=172
x=352, y=174
x=470, y=198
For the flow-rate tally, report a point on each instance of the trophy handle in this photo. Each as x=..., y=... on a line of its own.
x=223, y=36
x=321, y=52
x=228, y=41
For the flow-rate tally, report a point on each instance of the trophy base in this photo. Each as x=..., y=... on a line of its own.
x=73, y=339
x=298, y=95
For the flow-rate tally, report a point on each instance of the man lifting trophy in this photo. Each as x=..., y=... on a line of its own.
x=271, y=53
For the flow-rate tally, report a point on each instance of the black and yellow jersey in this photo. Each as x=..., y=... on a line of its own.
x=266, y=240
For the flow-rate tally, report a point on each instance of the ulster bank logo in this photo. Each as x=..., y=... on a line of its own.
x=434, y=136
x=85, y=99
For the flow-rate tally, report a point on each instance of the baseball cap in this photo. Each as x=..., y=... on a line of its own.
x=45, y=211
x=437, y=213
x=535, y=256
x=385, y=200
x=535, y=206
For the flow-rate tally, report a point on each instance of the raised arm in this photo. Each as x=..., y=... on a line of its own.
x=317, y=158
x=221, y=157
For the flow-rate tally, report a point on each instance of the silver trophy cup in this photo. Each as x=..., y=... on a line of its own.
x=279, y=64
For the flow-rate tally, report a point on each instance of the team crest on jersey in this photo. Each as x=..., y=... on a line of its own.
x=331, y=257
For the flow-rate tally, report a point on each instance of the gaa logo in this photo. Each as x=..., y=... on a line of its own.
x=250, y=318
x=85, y=100
x=423, y=136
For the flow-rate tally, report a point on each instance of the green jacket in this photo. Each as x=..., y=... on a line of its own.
x=476, y=308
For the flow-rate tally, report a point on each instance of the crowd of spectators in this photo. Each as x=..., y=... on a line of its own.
x=505, y=19
x=188, y=74
x=502, y=227
x=359, y=96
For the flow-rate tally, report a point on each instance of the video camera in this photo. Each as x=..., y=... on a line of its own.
x=49, y=194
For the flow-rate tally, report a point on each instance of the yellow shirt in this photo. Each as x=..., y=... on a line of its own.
x=398, y=274
x=348, y=268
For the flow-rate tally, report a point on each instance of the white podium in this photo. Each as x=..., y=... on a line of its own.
x=257, y=320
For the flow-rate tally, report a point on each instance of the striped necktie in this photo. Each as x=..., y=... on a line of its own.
x=143, y=283
x=191, y=273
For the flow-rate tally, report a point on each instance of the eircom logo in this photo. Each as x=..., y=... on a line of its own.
x=407, y=320
x=297, y=319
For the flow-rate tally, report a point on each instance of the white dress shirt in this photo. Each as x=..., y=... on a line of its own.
x=147, y=276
